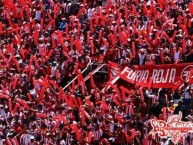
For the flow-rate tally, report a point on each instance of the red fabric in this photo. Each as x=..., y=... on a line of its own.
x=36, y=62
x=75, y=102
x=4, y=96
x=83, y=116
x=15, y=140
x=150, y=83
x=17, y=106
x=80, y=101
x=41, y=96
x=56, y=125
x=117, y=91
x=133, y=49
x=191, y=8
x=23, y=103
x=115, y=100
x=118, y=118
x=141, y=93
x=92, y=80
x=41, y=115
x=163, y=76
x=124, y=90
x=35, y=37
x=104, y=106
x=82, y=87
x=75, y=129
x=29, y=97
x=89, y=102
x=67, y=55
x=67, y=101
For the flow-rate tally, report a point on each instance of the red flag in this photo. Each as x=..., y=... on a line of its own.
x=141, y=93
x=87, y=115
x=17, y=106
x=76, y=131
x=89, y=102
x=82, y=116
x=49, y=54
x=104, y=106
x=115, y=100
x=184, y=29
x=15, y=82
x=133, y=49
x=8, y=141
x=16, y=64
x=29, y=97
x=80, y=12
x=191, y=8
x=90, y=134
x=22, y=2
x=82, y=87
x=41, y=96
x=35, y=37
x=56, y=125
x=124, y=90
x=15, y=141
x=91, y=25
x=36, y=62
x=54, y=84
x=4, y=96
x=60, y=94
x=67, y=101
x=67, y=55
x=3, y=56
x=92, y=80
x=118, y=118
x=80, y=101
x=73, y=86
x=49, y=24
x=164, y=111
x=117, y=91
x=41, y=115
x=23, y=103
x=75, y=102
x=184, y=45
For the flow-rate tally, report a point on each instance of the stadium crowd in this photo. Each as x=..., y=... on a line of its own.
x=44, y=44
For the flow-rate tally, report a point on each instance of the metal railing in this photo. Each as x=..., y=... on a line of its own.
x=89, y=64
x=94, y=71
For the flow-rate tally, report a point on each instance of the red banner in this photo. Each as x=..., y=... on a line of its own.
x=158, y=76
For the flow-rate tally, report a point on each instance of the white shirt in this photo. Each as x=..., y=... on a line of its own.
x=38, y=15
x=176, y=56
x=141, y=59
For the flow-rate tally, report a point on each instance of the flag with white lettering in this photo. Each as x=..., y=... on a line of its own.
x=162, y=76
